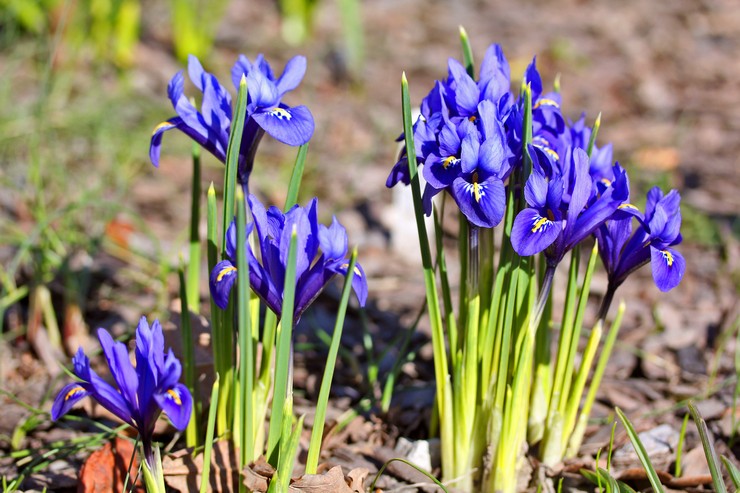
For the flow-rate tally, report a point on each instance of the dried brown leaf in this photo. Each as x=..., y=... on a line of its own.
x=183, y=472
x=105, y=470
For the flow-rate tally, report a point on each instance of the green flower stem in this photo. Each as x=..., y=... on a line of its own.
x=153, y=473
x=317, y=433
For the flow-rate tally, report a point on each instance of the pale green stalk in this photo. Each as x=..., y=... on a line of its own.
x=153, y=473
x=577, y=436
x=574, y=400
x=314, y=448
x=578, y=325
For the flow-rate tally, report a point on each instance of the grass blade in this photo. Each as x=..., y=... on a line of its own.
x=679, y=447
x=709, y=452
x=641, y=453
x=733, y=470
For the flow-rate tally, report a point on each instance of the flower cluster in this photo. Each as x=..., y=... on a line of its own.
x=321, y=254
x=210, y=127
x=469, y=139
x=143, y=391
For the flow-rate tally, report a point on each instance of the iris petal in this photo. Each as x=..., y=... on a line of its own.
x=178, y=404
x=70, y=395
x=291, y=126
x=223, y=277
x=293, y=74
x=116, y=353
x=532, y=232
x=668, y=267
x=482, y=202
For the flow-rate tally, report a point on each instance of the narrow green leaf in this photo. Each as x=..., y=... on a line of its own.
x=641, y=453
x=246, y=345
x=284, y=352
x=317, y=433
x=207, y=450
x=435, y=315
x=594, y=133
x=232, y=156
x=733, y=470
x=294, y=187
x=709, y=452
x=679, y=447
x=467, y=53
x=188, y=362
x=193, y=277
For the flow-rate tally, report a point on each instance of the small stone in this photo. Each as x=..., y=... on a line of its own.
x=417, y=452
x=659, y=442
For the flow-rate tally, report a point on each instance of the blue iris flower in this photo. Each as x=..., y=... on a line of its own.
x=455, y=103
x=322, y=253
x=266, y=112
x=564, y=208
x=623, y=250
x=143, y=391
